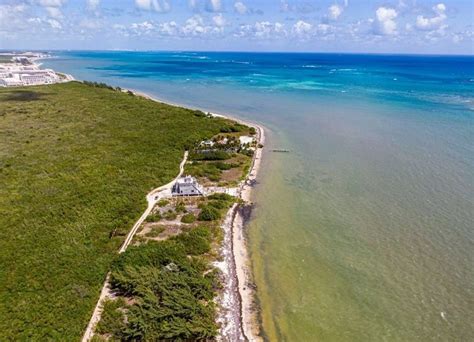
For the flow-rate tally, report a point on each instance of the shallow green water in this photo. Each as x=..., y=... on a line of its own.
x=364, y=231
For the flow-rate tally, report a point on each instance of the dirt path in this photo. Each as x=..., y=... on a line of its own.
x=152, y=198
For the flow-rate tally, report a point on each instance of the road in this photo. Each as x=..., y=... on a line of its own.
x=152, y=198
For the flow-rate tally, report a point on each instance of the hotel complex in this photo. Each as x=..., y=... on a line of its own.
x=21, y=70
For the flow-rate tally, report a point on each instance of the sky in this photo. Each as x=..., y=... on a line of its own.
x=375, y=26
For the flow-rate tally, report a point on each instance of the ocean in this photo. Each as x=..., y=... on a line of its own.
x=364, y=231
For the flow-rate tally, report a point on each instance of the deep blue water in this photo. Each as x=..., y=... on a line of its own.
x=418, y=80
x=364, y=232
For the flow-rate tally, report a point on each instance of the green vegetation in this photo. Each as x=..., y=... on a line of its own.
x=163, y=203
x=236, y=127
x=220, y=196
x=197, y=241
x=188, y=218
x=211, y=155
x=209, y=213
x=180, y=207
x=76, y=162
x=155, y=217
x=112, y=319
x=170, y=215
x=101, y=85
x=155, y=231
x=172, y=293
x=209, y=170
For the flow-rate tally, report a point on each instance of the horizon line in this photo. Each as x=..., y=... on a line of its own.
x=247, y=51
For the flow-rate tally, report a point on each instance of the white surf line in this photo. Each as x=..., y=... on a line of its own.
x=152, y=198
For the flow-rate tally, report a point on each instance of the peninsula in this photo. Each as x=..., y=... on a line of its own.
x=78, y=162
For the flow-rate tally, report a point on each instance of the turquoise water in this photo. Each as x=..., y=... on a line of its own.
x=364, y=231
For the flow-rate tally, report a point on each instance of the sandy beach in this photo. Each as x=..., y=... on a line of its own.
x=238, y=314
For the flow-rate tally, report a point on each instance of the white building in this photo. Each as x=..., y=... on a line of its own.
x=10, y=82
x=17, y=74
x=245, y=139
x=187, y=186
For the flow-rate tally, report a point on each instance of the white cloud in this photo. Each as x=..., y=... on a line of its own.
x=214, y=5
x=156, y=5
x=284, y=6
x=194, y=26
x=51, y=3
x=143, y=4
x=240, y=7
x=93, y=4
x=302, y=28
x=54, y=12
x=11, y=17
x=54, y=24
x=144, y=26
x=90, y=24
x=169, y=29
x=335, y=11
x=433, y=23
x=385, y=23
x=261, y=30
x=219, y=20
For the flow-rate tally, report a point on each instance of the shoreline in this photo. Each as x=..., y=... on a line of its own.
x=239, y=290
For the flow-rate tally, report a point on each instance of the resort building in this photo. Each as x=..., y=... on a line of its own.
x=187, y=186
x=19, y=73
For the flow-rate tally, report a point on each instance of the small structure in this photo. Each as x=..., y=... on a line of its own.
x=187, y=186
x=245, y=139
x=223, y=141
x=207, y=143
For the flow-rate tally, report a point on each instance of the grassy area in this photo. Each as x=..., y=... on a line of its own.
x=219, y=167
x=75, y=164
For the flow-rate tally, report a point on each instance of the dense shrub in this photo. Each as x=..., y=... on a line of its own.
x=221, y=196
x=101, y=85
x=218, y=204
x=209, y=213
x=233, y=128
x=173, y=300
x=180, y=207
x=224, y=166
x=155, y=217
x=197, y=241
x=112, y=318
x=170, y=215
x=208, y=170
x=211, y=155
x=188, y=218
x=163, y=202
x=155, y=231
